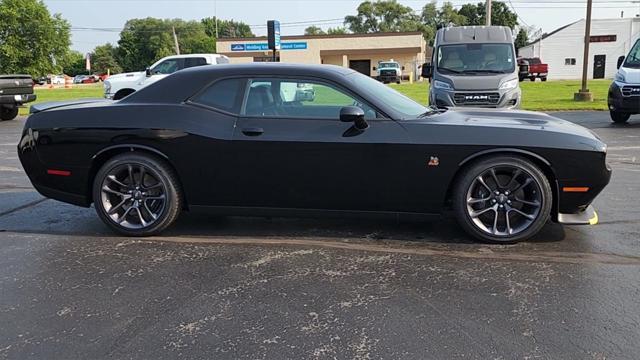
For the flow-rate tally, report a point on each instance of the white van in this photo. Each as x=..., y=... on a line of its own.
x=624, y=92
x=118, y=86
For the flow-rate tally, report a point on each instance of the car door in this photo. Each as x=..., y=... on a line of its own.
x=292, y=150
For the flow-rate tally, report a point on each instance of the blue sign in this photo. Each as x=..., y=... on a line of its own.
x=237, y=47
x=265, y=46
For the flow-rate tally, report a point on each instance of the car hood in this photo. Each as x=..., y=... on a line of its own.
x=131, y=76
x=36, y=108
x=513, y=128
x=631, y=75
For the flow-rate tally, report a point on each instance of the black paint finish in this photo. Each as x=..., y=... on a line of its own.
x=256, y=164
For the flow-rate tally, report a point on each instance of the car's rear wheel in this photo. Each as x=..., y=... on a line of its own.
x=137, y=194
x=8, y=113
x=502, y=199
x=619, y=117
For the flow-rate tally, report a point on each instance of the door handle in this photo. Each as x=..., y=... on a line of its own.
x=253, y=131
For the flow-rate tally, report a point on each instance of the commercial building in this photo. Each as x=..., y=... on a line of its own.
x=361, y=52
x=563, y=48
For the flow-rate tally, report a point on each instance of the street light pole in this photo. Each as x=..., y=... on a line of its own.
x=584, y=94
x=488, y=13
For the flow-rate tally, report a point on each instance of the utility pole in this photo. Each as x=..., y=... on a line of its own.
x=175, y=40
x=584, y=94
x=488, y=11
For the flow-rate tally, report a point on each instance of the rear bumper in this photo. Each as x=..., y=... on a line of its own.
x=588, y=216
x=17, y=99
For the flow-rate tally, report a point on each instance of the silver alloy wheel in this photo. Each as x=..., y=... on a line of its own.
x=133, y=196
x=504, y=200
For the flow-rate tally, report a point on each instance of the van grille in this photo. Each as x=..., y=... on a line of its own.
x=631, y=90
x=476, y=98
x=388, y=72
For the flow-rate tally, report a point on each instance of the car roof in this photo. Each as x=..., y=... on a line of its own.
x=474, y=34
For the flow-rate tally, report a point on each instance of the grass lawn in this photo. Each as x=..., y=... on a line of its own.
x=539, y=96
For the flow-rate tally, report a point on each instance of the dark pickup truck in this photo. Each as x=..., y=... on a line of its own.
x=15, y=91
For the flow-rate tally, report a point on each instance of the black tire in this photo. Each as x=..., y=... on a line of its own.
x=528, y=227
x=398, y=82
x=8, y=113
x=532, y=78
x=154, y=167
x=543, y=79
x=123, y=93
x=619, y=117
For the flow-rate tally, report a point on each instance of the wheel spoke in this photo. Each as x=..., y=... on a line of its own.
x=532, y=203
x=111, y=191
x=142, y=220
x=124, y=216
x=475, y=214
x=481, y=181
x=159, y=197
x=506, y=217
x=495, y=223
x=142, y=174
x=524, y=184
x=131, y=178
x=513, y=179
x=118, y=182
x=146, y=207
x=472, y=201
x=159, y=184
x=528, y=216
x=495, y=178
x=114, y=209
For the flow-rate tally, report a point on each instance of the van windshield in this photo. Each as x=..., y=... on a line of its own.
x=476, y=58
x=633, y=59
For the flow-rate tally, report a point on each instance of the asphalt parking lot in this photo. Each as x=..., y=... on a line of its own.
x=254, y=288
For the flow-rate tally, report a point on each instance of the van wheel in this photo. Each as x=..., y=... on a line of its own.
x=8, y=113
x=619, y=117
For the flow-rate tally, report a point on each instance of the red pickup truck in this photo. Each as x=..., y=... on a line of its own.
x=534, y=69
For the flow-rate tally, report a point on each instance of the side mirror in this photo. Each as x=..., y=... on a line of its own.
x=148, y=71
x=355, y=115
x=403, y=68
x=427, y=70
x=620, y=61
x=374, y=68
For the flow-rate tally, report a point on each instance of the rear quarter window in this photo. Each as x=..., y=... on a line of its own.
x=225, y=95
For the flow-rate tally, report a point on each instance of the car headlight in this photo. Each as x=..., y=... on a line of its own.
x=511, y=84
x=107, y=87
x=619, y=77
x=442, y=85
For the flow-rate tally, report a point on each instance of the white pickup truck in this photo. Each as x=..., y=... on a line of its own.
x=118, y=86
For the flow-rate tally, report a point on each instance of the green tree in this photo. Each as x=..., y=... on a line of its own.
x=383, y=16
x=336, y=31
x=103, y=59
x=74, y=63
x=522, y=39
x=500, y=14
x=32, y=41
x=226, y=28
x=313, y=30
x=143, y=41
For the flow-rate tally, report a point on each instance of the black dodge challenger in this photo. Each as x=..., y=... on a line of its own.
x=297, y=140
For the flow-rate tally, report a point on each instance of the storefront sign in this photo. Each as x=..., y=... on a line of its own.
x=265, y=46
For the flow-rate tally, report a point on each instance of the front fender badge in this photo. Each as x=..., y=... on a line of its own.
x=433, y=161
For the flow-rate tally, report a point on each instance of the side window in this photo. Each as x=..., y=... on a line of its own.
x=167, y=67
x=222, y=60
x=192, y=62
x=225, y=95
x=299, y=99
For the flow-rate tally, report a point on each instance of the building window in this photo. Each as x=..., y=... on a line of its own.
x=570, y=61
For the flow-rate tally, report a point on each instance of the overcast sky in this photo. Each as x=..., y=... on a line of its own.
x=112, y=14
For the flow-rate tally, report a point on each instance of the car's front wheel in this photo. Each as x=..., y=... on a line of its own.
x=8, y=113
x=619, y=117
x=137, y=194
x=502, y=199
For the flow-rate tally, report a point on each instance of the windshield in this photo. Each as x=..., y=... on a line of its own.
x=476, y=58
x=633, y=59
x=407, y=107
x=389, y=65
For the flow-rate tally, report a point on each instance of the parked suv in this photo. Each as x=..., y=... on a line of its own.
x=15, y=90
x=624, y=92
x=473, y=66
x=121, y=85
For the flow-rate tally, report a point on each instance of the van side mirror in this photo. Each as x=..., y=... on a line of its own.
x=403, y=68
x=374, y=68
x=355, y=115
x=427, y=70
x=148, y=71
x=620, y=61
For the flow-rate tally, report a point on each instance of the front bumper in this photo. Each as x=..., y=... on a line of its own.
x=17, y=99
x=588, y=216
x=621, y=103
x=509, y=99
